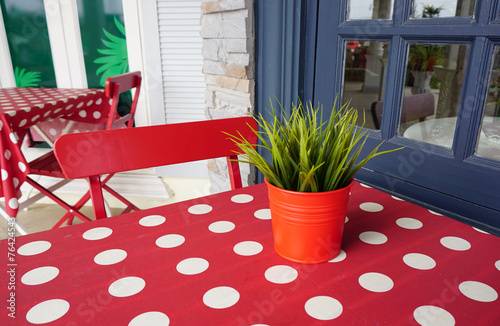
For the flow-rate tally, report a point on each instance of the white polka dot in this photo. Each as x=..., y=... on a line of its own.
x=340, y=257
x=192, y=266
x=96, y=115
x=23, y=123
x=99, y=101
x=170, y=241
x=419, y=261
x=346, y=219
x=409, y=223
x=52, y=131
x=455, y=243
x=478, y=291
x=372, y=237
x=221, y=297
x=79, y=105
x=13, y=203
x=40, y=275
x=150, y=318
x=248, y=248
x=110, y=257
x=221, y=227
x=35, y=118
x=15, y=181
x=5, y=175
x=433, y=316
x=46, y=114
x=241, y=199
x=200, y=209
x=323, y=308
x=376, y=282
x=126, y=286
x=480, y=231
x=22, y=166
x=497, y=264
x=97, y=233
x=281, y=274
x=89, y=103
x=263, y=214
x=7, y=154
x=69, y=106
x=371, y=207
x=56, y=111
x=47, y=311
x=34, y=248
x=13, y=138
x=82, y=114
x=152, y=220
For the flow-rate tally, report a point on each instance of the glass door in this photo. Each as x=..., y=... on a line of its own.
x=425, y=76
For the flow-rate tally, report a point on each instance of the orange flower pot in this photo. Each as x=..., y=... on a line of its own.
x=308, y=226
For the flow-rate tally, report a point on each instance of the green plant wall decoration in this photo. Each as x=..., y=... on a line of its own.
x=114, y=60
x=27, y=78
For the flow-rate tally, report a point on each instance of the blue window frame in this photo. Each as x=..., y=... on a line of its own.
x=454, y=181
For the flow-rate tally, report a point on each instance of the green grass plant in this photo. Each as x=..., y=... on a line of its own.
x=308, y=153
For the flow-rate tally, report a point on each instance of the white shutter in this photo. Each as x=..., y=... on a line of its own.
x=181, y=60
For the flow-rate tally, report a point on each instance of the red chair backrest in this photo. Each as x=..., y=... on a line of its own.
x=108, y=151
x=119, y=84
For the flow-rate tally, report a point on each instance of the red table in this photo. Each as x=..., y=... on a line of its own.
x=21, y=108
x=210, y=261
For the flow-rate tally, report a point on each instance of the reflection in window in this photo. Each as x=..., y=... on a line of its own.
x=369, y=9
x=442, y=8
x=433, y=87
x=28, y=39
x=489, y=137
x=364, y=78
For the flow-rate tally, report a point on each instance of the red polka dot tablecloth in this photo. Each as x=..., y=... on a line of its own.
x=21, y=108
x=210, y=261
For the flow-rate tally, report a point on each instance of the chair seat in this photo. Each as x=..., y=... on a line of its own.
x=46, y=165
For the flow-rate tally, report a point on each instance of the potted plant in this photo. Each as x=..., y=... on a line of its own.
x=421, y=61
x=310, y=176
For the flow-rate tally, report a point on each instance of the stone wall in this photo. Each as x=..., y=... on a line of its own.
x=227, y=29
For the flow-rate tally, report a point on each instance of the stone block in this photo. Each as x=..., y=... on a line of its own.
x=214, y=67
x=238, y=59
x=236, y=71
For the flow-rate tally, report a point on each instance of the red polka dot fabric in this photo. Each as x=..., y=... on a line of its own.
x=210, y=261
x=21, y=108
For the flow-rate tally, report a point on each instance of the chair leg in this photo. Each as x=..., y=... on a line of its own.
x=97, y=197
x=58, y=201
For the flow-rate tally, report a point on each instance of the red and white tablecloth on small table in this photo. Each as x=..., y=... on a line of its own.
x=210, y=261
x=21, y=108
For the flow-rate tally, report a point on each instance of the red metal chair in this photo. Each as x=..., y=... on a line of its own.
x=47, y=165
x=121, y=150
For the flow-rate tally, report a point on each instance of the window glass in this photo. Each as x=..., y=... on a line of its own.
x=433, y=87
x=489, y=139
x=369, y=9
x=364, y=78
x=103, y=40
x=442, y=8
x=29, y=46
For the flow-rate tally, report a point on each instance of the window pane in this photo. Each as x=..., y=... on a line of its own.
x=434, y=79
x=103, y=40
x=489, y=138
x=369, y=9
x=442, y=8
x=29, y=45
x=364, y=78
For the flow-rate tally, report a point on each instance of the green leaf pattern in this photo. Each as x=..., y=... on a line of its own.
x=27, y=78
x=114, y=60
